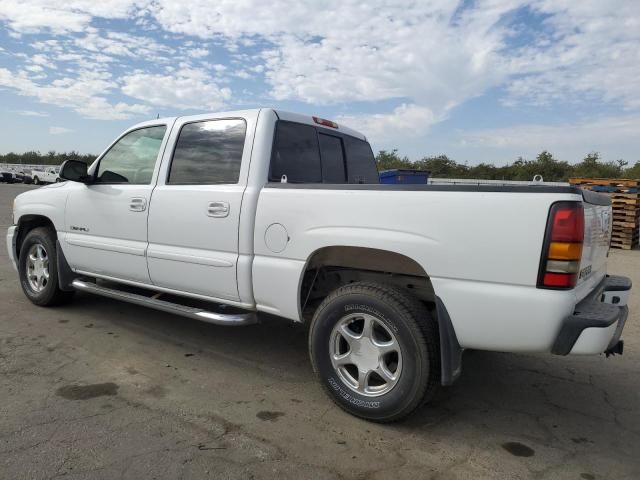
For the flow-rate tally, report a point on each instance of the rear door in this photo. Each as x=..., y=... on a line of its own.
x=195, y=210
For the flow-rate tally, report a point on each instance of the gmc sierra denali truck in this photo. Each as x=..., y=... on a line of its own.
x=220, y=216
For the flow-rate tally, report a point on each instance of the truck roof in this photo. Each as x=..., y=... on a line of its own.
x=281, y=114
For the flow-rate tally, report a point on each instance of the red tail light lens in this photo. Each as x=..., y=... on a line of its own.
x=562, y=249
x=568, y=223
x=560, y=280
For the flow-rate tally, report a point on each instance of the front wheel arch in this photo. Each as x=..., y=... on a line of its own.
x=26, y=223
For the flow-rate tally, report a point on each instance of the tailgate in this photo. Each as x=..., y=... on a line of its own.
x=597, y=237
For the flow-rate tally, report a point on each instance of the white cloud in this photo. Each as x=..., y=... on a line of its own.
x=71, y=16
x=590, y=54
x=84, y=93
x=197, y=52
x=403, y=122
x=436, y=54
x=421, y=59
x=606, y=134
x=124, y=45
x=186, y=89
x=31, y=113
x=59, y=130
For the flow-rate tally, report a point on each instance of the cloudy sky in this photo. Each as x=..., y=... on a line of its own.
x=484, y=80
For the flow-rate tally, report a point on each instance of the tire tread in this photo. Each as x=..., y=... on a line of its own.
x=421, y=322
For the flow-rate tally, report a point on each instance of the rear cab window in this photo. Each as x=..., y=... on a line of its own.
x=307, y=154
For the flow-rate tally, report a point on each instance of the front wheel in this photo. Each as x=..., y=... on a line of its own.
x=38, y=268
x=375, y=350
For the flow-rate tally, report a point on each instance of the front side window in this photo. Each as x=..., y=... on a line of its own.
x=132, y=158
x=208, y=153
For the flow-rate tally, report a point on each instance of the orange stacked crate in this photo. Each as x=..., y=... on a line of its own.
x=625, y=201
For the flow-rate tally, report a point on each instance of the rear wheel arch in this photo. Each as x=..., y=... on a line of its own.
x=332, y=267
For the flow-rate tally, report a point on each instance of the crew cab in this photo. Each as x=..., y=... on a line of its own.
x=221, y=216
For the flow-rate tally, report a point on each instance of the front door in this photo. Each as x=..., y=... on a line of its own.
x=194, y=219
x=106, y=222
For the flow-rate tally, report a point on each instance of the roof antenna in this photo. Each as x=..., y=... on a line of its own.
x=157, y=116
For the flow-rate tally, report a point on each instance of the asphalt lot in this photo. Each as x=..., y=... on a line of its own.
x=103, y=389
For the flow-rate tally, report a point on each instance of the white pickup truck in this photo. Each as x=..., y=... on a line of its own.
x=46, y=175
x=219, y=216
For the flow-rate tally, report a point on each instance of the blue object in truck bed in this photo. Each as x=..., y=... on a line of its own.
x=404, y=176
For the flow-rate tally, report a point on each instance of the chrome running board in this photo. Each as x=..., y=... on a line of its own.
x=229, y=319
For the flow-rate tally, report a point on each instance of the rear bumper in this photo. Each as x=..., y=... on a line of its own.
x=11, y=246
x=597, y=322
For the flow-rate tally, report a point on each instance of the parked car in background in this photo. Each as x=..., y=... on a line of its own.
x=9, y=177
x=270, y=211
x=27, y=177
x=47, y=175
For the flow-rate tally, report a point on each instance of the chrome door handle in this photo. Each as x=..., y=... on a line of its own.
x=138, y=204
x=218, y=209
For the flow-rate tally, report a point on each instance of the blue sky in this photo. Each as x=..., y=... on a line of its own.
x=481, y=81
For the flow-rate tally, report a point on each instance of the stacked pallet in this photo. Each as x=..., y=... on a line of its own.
x=625, y=200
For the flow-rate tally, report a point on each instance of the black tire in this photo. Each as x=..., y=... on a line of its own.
x=50, y=293
x=416, y=333
x=36, y=181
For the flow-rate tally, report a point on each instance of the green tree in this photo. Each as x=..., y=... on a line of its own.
x=442, y=166
x=633, y=172
x=391, y=160
x=592, y=167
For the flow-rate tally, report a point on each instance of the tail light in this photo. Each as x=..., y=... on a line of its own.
x=562, y=249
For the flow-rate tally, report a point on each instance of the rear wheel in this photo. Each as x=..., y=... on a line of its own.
x=36, y=181
x=375, y=349
x=38, y=268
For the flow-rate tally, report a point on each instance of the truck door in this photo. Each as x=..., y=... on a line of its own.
x=194, y=219
x=106, y=222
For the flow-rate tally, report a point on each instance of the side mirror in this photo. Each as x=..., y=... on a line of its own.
x=75, y=171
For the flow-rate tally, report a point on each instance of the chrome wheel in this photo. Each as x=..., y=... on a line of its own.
x=365, y=354
x=37, y=267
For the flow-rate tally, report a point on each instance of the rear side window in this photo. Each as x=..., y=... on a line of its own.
x=295, y=154
x=361, y=164
x=332, y=159
x=208, y=153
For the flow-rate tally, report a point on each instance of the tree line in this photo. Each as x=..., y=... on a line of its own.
x=50, y=158
x=545, y=164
